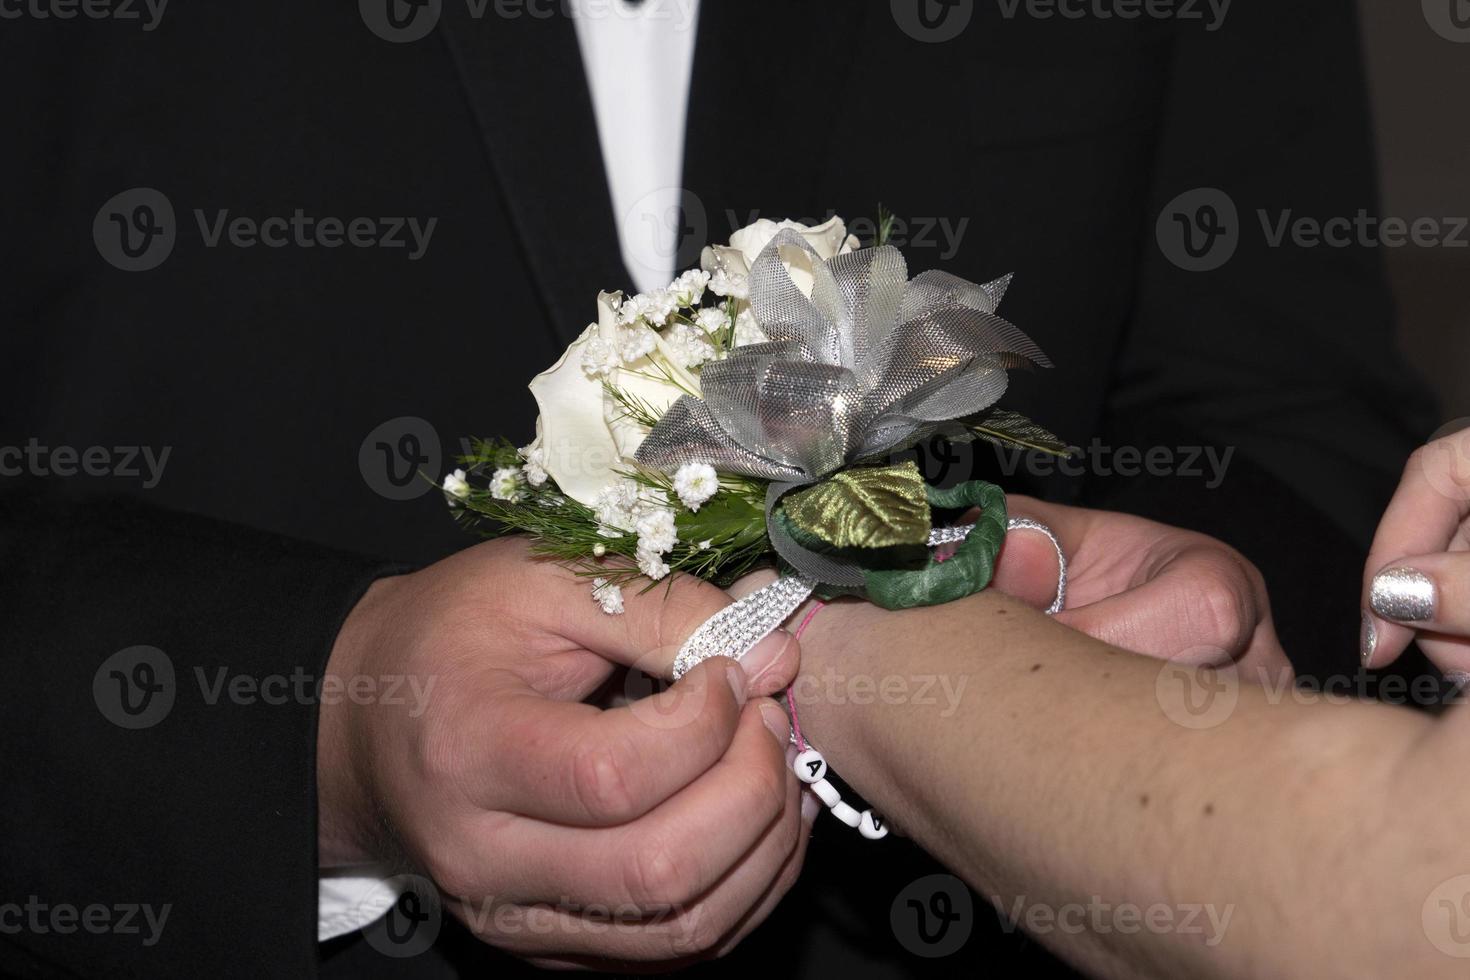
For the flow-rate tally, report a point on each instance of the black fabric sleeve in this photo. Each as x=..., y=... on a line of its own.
x=1285, y=352
x=207, y=812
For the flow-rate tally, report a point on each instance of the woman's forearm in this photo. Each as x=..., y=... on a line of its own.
x=1141, y=818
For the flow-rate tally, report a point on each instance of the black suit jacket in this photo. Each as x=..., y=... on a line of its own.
x=295, y=386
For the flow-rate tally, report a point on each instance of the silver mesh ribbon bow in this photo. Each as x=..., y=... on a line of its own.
x=869, y=364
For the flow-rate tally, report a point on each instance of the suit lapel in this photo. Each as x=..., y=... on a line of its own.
x=525, y=85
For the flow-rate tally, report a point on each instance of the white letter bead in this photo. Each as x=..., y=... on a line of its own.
x=872, y=826
x=810, y=766
x=846, y=814
x=826, y=792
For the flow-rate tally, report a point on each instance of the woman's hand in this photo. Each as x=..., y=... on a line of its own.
x=1417, y=579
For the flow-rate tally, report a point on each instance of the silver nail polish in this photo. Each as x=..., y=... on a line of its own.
x=1405, y=595
x=1368, y=638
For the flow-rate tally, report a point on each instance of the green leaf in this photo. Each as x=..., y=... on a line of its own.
x=726, y=519
x=967, y=572
x=491, y=454
x=631, y=407
x=1005, y=428
x=885, y=226
x=864, y=507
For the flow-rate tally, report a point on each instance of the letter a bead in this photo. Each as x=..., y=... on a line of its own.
x=810, y=766
x=871, y=826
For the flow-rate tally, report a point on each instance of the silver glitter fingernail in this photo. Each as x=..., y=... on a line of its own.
x=1368, y=638
x=1405, y=595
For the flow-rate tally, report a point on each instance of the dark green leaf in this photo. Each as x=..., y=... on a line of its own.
x=864, y=507
x=727, y=519
x=1006, y=428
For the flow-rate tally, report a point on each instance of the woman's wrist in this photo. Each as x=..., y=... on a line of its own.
x=873, y=693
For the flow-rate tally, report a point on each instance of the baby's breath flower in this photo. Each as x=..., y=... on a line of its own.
x=656, y=530
x=608, y=596
x=728, y=284
x=688, y=289
x=688, y=346
x=663, y=304
x=695, y=483
x=600, y=359
x=652, y=565
x=654, y=308
x=629, y=311
x=747, y=331
x=635, y=342
x=535, y=468
x=712, y=319
x=615, y=505
x=456, y=486
x=505, y=484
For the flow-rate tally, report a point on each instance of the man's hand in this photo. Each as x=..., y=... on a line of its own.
x=534, y=812
x=1145, y=587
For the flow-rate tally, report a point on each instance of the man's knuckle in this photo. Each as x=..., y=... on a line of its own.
x=699, y=934
x=438, y=751
x=688, y=604
x=452, y=873
x=659, y=876
x=1226, y=610
x=761, y=790
x=600, y=781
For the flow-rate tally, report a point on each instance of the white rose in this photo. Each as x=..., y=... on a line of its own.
x=583, y=445
x=829, y=238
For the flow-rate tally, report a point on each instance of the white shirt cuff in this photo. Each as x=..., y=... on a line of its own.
x=350, y=898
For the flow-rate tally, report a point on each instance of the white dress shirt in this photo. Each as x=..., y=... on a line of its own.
x=637, y=58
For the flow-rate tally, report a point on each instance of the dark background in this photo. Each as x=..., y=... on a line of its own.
x=1420, y=86
x=203, y=142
